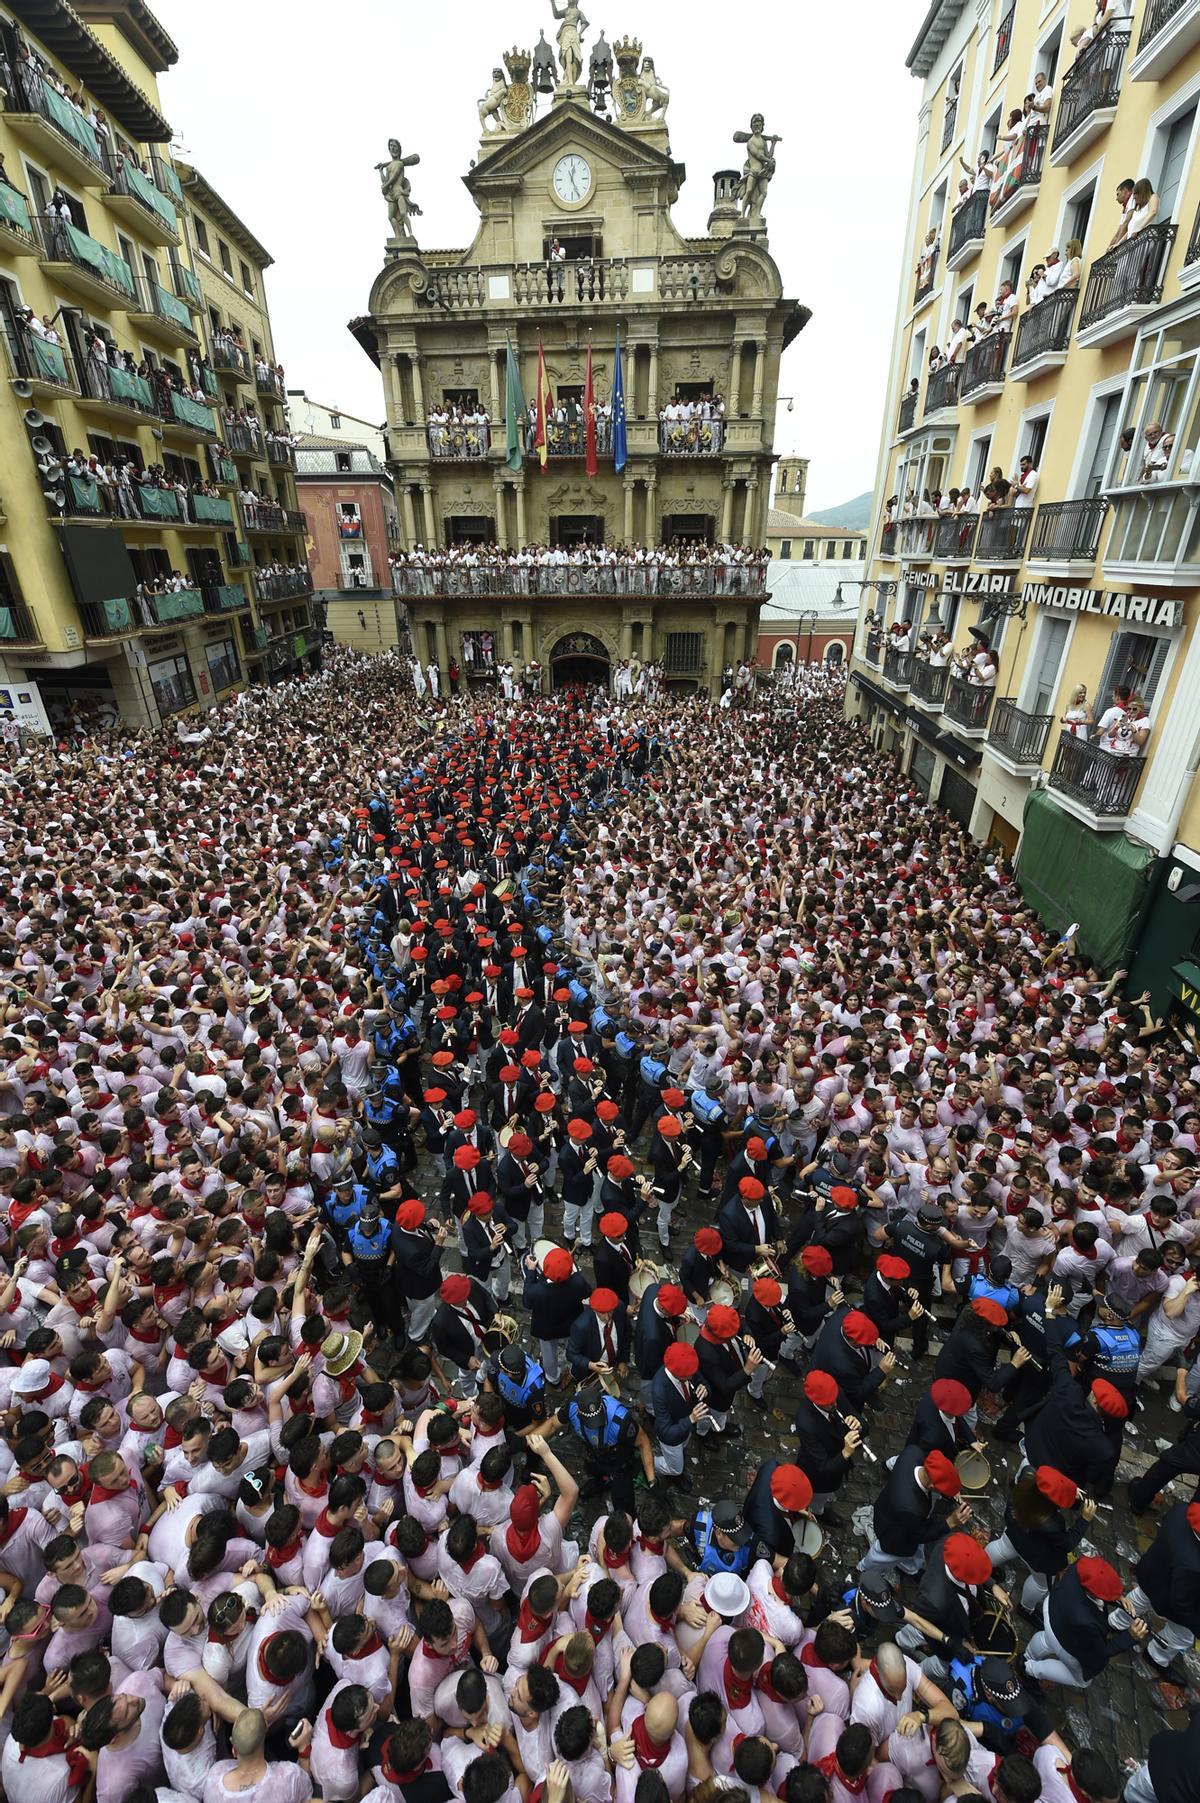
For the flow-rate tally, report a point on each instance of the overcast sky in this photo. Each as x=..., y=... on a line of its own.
x=287, y=105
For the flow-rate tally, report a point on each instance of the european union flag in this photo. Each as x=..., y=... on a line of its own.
x=619, y=444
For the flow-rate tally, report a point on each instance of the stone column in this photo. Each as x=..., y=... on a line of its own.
x=522, y=538
x=410, y=522
x=500, y=486
x=751, y=513
x=629, y=482
x=652, y=508
x=727, y=508
x=430, y=523
x=735, y=382
x=652, y=393
x=626, y=637
x=494, y=374
x=760, y=370
x=418, y=387
x=443, y=654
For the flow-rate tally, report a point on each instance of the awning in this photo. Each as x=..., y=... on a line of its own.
x=961, y=751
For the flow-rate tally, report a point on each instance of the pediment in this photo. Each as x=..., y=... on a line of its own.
x=569, y=125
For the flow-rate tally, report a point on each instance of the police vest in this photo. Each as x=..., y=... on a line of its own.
x=365, y=1246
x=1006, y=1294
x=519, y=1392
x=652, y=1071
x=1117, y=1349
x=921, y=1249
x=969, y=1700
x=705, y=1110
x=348, y=1209
x=381, y=1113
x=608, y=1434
x=625, y=1047
x=382, y=1165
x=600, y=1021
x=711, y=1558
x=577, y=992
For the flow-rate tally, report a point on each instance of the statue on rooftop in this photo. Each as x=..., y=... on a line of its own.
x=758, y=169
x=394, y=184
x=570, y=40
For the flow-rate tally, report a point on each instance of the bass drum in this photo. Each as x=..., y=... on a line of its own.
x=541, y=1249
x=643, y=1277
x=723, y=1294
x=809, y=1536
x=974, y=1470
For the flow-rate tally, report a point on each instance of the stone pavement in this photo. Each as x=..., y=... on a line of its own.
x=1122, y=1709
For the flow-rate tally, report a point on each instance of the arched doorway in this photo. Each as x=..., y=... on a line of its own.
x=579, y=658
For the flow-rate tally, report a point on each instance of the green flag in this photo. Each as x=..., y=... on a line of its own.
x=514, y=411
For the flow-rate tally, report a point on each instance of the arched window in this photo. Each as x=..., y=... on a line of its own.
x=835, y=651
x=784, y=653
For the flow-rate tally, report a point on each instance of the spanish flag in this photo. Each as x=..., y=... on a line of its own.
x=545, y=405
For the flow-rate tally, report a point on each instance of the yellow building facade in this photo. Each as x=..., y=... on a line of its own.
x=137, y=341
x=1090, y=575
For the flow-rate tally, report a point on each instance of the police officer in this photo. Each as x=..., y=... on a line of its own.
x=875, y=1606
x=521, y=1381
x=996, y=1284
x=722, y=1539
x=369, y=1251
x=381, y=1171
x=1111, y=1347
x=612, y=1441
x=345, y=1204
x=921, y=1240
x=986, y=1690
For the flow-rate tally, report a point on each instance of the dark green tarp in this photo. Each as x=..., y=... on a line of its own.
x=1070, y=873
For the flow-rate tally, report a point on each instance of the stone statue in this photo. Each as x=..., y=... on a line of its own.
x=396, y=190
x=658, y=98
x=545, y=69
x=600, y=71
x=757, y=170
x=491, y=107
x=570, y=40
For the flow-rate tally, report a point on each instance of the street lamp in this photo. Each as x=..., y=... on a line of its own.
x=810, y=614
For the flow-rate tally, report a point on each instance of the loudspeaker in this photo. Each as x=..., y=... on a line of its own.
x=34, y=419
x=22, y=389
x=57, y=497
x=42, y=446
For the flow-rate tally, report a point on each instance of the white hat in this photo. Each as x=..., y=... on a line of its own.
x=728, y=1594
x=33, y=1376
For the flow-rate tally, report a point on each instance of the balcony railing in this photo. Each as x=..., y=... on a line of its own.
x=221, y=469
x=243, y=441
x=195, y=416
x=108, y=619
x=269, y=516
x=280, y=454
x=941, y=390
x=168, y=610
x=281, y=585
x=223, y=597
x=1099, y=780
x=1021, y=737
x=1192, y=253
x=18, y=625
x=874, y=647
x=459, y=443
x=582, y=579
x=231, y=360
x=678, y=437
x=1158, y=15
x=916, y=536
x=37, y=360
x=157, y=209
x=897, y=668
x=968, y=703
x=889, y=534
x=926, y=279
x=121, y=387
x=908, y=412
x=1003, y=535
x=1045, y=329
x=984, y=364
x=1091, y=84
x=954, y=537
x=165, y=178
x=949, y=118
x=1003, y=39
x=1067, y=531
x=161, y=304
x=1129, y=275
x=15, y=216
x=929, y=682
x=30, y=93
x=65, y=243
x=968, y=223
x=1022, y=171
x=267, y=383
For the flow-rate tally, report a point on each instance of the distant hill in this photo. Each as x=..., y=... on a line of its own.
x=855, y=514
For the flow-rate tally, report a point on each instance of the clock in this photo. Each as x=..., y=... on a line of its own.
x=572, y=179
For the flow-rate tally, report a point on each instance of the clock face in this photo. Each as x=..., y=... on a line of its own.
x=572, y=178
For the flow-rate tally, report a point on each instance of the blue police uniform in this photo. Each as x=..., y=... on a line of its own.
x=712, y=1558
x=345, y=1207
x=370, y=1247
x=1006, y=1294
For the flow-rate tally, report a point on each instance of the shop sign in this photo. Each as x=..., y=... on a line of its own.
x=1141, y=610
x=921, y=579
x=1187, y=980
x=976, y=582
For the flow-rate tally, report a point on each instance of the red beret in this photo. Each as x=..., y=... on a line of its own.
x=767, y=1293
x=817, y=1261
x=790, y=1488
x=480, y=1203
x=941, y=1473
x=721, y=1323
x=455, y=1288
x=842, y=1196
x=433, y=1096
x=1056, y=1487
x=620, y=1167
x=821, y=1389
x=1193, y=1517
x=670, y=1126
x=674, y=1098
x=681, y=1360
x=756, y=1148
x=583, y=1067
x=1099, y=1579
x=509, y=1036
x=707, y=1242
x=442, y=1060
x=966, y=1560
x=751, y=1190
x=531, y=1059
x=671, y=1299
x=523, y=994
x=893, y=1268
x=464, y=1120
x=949, y=1396
x=578, y=1129
x=509, y=1073
x=603, y=1301
x=410, y=1215
x=467, y=1157
x=520, y=1145
x=859, y=1329
x=613, y=1225
x=1109, y=1399
x=990, y=1311
x=558, y=1265
x=544, y=1104
x=607, y=1111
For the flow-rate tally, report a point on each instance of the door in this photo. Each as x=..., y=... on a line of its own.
x=1171, y=148
x=1045, y=664
x=577, y=529
x=957, y=796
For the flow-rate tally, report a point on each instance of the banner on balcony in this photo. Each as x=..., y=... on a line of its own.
x=1140, y=610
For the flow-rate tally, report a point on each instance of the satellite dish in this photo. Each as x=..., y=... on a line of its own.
x=34, y=419
x=22, y=389
x=42, y=445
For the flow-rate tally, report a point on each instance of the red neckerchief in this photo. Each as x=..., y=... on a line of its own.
x=336, y=1737
x=394, y=1777
x=523, y=1547
x=780, y=1592
x=650, y=1546
x=372, y=1644
x=612, y=1561
x=78, y=1769
x=429, y=1653
x=320, y=1490
x=808, y=1656
x=323, y=1525
x=765, y=1684
x=738, y=1690
x=263, y=1669
x=530, y=1626
x=93, y=1383
x=15, y=1518
x=650, y=1754
x=53, y=1383
x=101, y=1494
x=874, y=1671
x=167, y=1292
x=597, y=1629
x=469, y=1563
x=83, y=1308
x=829, y=1765
x=80, y=1491
x=283, y=1555
x=1065, y=1771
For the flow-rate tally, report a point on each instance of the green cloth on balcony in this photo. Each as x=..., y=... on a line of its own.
x=191, y=413
x=159, y=503
x=72, y=123
x=132, y=388
x=148, y=194
x=84, y=494
x=97, y=257
x=208, y=382
x=51, y=364
x=183, y=606
x=189, y=283
x=226, y=469
x=8, y=623
x=117, y=614
x=298, y=645
x=230, y=595
x=167, y=180
x=214, y=508
x=170, y=308
x=15, y=208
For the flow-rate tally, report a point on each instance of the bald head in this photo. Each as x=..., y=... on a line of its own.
x=662, y=1716
x=891, y=1666
x=249, y=1732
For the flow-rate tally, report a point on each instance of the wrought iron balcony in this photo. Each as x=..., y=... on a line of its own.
x=48, y=367
x=457, y=442
x=925, y=286
x=243, y=440
x=1170, y=28
x=983, y=371
x=873, y=650
x=117, y=390
x=1022, y=176
x=942, y=388
x=1129, y=275
x=84, y=265
x=231, y=360
x=949, y=118
x=43, y=117
x=1044, y=334
x=1067, y=531
x=109, y=619
x=162, y=315
x=18, y=626
x=267, y=383
x=16, y=222
x=1088, y=95
x=897, y=668
x=954, y=537
x=281, y=585
x=916, y=536
x=280, y=454
x=968, y=704
x=1003, y=39
x=889, y=534
x=580, y=579
x=269, y=516
x=1003, y=535
x=135, y=197
x=1016, y=735
x=1192, y=254
x=967, y=228
x=677, y=437
x=908, y=411
x=223, y=597
x=1100, y=781
x=929, y=682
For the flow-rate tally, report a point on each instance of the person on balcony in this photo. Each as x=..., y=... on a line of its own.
x=1077, y=719
x=1007, y=307
x=1145, y=207
x=1128, y=728
x=1127, y=204
x=959, y=342
x=1042, y=98
x=1157, y=453
x=1025, y=483
x=982, y=670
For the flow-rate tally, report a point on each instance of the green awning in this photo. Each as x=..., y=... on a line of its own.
x=1071, y=873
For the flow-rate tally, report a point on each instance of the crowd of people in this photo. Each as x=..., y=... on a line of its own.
x=433, y=1129
x=485, y=569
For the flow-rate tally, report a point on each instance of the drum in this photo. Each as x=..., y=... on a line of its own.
x=502, y=1332
x=722, y=1294
x=809, y=1536
x=974, y=1470
x=643, y=1277
x=505, y=1134
x=540, y=1250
